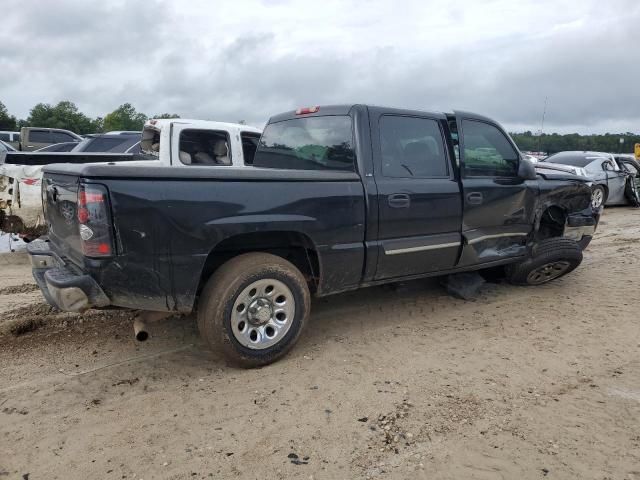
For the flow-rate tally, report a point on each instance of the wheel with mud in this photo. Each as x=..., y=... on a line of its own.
x=552, y=258
x=253, y=309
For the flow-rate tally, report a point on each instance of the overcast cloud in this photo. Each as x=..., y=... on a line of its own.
x=232, y=60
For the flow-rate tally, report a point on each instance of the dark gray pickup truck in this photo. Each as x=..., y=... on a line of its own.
x=339, y=198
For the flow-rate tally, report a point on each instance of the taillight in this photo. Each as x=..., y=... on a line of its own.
x=94, y=221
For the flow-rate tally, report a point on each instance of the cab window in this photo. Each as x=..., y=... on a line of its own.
x=487, y=152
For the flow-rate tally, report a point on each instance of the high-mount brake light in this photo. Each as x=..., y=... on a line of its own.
x=307, y=110
x=94, y=221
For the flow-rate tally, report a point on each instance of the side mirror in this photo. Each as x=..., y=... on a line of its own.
x=526, y=170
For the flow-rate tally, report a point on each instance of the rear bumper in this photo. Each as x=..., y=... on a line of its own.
x=62, y=286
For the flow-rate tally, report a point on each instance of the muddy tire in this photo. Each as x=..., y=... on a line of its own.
x=552, y=258
x=253, y=309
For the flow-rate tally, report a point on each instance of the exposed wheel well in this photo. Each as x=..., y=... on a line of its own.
x=552, y=222
x=292, y=246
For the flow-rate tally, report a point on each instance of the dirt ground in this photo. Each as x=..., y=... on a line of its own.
x=388, y=382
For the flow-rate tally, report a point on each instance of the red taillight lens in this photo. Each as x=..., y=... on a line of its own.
x=307, y=110
x=94, y=221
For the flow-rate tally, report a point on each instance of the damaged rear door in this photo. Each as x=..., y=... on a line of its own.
x=498, y=205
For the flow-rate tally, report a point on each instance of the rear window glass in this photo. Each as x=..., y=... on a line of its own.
x=573, y=160
x=311, y=143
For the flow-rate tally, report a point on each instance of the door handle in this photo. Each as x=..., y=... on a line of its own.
x=475, y=198
x=399, y=200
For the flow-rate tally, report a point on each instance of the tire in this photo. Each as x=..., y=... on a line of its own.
x=552, y=258
x=598, y=196
x=237, y=321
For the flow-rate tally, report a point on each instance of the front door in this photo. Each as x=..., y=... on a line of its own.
x=419, y=199
x=498, y=205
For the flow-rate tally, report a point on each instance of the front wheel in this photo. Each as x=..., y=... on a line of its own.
x=598, y=196
x=552, y=258
x=254, y=308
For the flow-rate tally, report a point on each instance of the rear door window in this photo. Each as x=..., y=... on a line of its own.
x=412, y=147
x=40, y=136
x=487, y=151
x=204, y=147
x=311, y=143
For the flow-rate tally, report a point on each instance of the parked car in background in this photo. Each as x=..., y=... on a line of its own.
x=609, y=185
x=6, y=147
x=58, y=147
x=33, y=138
x=110, y=143
x=12, y=138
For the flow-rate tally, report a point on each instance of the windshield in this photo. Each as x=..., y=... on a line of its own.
x=311, y=143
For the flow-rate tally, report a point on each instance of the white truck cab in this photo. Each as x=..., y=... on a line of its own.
x=184, y=142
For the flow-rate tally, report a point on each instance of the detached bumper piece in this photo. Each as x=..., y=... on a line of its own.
x=579, y=226
x=61, y=286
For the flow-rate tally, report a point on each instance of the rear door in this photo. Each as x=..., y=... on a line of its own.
x=498, y=211
x=419, y=203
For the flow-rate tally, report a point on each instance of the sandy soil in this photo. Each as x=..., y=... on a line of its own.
x=391, y=382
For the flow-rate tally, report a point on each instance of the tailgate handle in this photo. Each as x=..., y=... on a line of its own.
x=475, y=198
x=399, y=200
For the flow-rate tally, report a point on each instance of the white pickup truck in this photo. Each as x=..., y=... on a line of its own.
x=166, y=143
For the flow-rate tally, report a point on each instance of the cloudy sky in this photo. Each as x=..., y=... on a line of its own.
x=247, y=59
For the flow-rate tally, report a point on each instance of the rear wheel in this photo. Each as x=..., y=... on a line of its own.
x=598, y=196
x=254, y=308
x=552, y=258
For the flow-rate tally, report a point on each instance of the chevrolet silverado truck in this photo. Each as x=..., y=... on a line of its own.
x=340, y=197
x=164, y=143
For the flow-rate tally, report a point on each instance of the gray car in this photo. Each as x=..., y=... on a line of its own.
x=609, y=179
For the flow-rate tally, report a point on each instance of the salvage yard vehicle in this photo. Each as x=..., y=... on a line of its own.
x=613, y=184
x=341, y=197
x=34, y=138
x=12, y=138
x=193, y=141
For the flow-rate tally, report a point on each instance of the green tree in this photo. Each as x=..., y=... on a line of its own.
x=124, y=117
x=63, y=115
x=166, y=115
x=7, y=122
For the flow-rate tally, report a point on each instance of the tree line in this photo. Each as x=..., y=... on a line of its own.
x=66, y=115
x=554, y=142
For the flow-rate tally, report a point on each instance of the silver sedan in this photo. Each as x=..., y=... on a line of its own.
x=608, y=177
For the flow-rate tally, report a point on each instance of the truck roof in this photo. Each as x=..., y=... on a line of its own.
x=160, y=123
x=344, y=109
